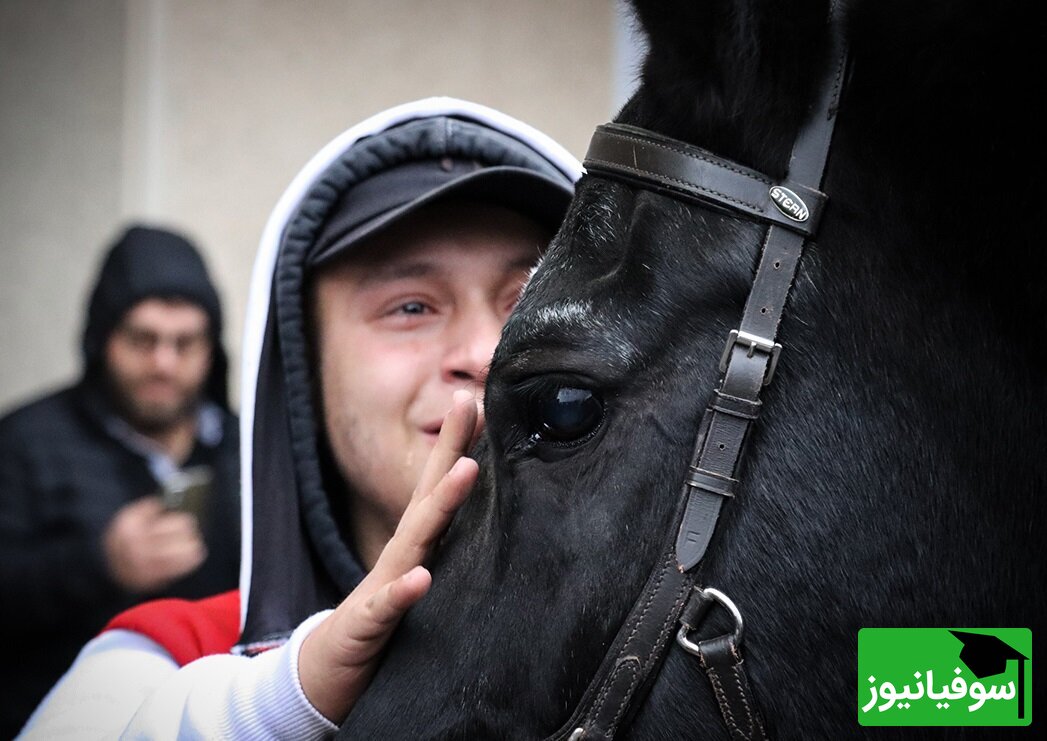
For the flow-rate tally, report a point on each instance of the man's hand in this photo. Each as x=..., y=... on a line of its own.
x=148, y=547
x=338, y=658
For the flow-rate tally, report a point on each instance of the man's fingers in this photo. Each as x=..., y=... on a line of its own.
x=478, y=428
x=364, y=624
x=176, y=559
x=338, y=658
x=176, y=551
x=446, y=481
x=174, y=526
x=348, y=642
x=387, y=606
x=454, y=441
x=143, y=509
x=424, y=521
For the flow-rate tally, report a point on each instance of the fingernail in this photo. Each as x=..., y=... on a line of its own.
x=412, y=573
x=456, y=469
x=461, y=396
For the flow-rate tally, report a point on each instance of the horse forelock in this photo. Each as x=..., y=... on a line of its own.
x=726, y=75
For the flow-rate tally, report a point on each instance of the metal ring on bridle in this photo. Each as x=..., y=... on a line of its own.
x=690, y=646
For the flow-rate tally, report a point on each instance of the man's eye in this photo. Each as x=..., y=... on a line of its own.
x=413, y=307
x=141, y=339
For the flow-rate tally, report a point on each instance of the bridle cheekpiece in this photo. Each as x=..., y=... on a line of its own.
x=671, y=602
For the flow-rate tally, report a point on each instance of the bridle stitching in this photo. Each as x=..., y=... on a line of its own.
x=670, y=178
x=696, y=154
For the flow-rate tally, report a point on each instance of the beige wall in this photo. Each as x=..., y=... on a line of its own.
x=197, y=113
x=61, y=110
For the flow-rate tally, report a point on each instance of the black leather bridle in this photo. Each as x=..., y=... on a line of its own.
x=671, y=602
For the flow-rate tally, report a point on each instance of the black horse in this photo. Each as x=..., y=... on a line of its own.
x=898, y=473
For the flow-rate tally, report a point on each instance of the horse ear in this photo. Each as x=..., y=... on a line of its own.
x=678, y=32
x=707, y=67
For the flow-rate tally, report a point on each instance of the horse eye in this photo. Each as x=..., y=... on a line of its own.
x=567, y=415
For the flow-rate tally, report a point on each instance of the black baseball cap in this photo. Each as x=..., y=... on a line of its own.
x=386, y=197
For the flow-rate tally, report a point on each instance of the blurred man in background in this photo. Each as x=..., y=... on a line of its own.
x=123, y=486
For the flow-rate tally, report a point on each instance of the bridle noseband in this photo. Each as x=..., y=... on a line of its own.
x=671, y=602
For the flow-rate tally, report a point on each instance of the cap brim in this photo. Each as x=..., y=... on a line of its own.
x=536, y=196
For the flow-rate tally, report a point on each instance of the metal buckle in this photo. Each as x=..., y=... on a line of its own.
x=690, y=646
x=754, y=342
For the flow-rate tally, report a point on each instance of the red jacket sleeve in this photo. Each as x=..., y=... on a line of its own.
x=188, y=629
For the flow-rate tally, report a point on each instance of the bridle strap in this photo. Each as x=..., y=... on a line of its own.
x=751, y=353
x=721, y=660
x=723, y=664
x=632, y=661
x=655, y=162
x=680, y=170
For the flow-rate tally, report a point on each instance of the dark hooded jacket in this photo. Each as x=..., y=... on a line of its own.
x=297, y=556
x=65, y=470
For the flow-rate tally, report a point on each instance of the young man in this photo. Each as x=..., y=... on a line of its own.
x=382, y=282
x=83, y=532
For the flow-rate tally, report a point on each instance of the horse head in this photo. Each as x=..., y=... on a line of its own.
x=893, y=476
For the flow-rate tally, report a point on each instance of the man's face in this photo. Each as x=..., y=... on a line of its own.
x=409, y=318
x=157, y=360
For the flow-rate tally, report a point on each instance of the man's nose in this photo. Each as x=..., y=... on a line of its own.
x=164, y=356
x=471, y=346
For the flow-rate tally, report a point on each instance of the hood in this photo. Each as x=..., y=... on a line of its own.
x=151, y=263
x=296, y=560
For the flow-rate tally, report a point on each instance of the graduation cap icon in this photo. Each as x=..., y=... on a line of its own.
x=986, y=655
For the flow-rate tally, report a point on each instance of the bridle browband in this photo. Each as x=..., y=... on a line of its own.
x=671, y=602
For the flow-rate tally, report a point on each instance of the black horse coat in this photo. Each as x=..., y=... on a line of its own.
x=896, y=474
